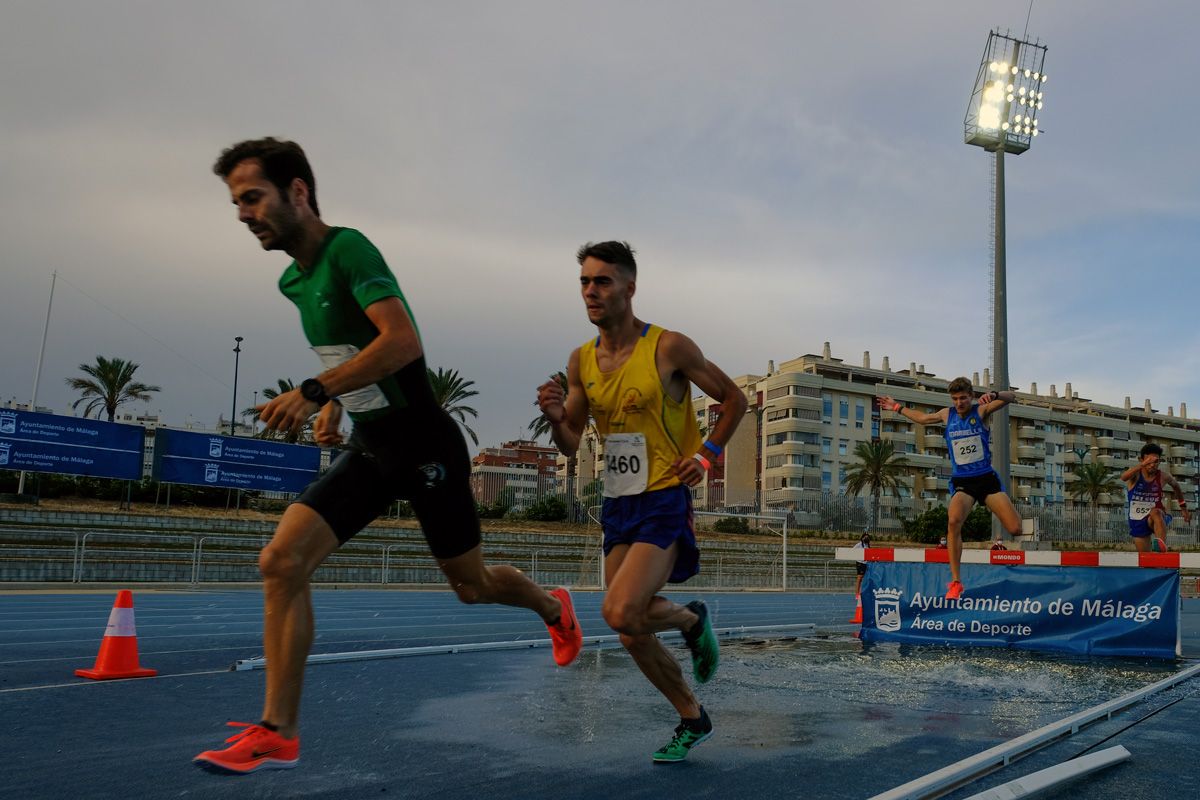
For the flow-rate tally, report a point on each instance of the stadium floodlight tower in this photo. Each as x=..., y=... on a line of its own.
x=1004, y=116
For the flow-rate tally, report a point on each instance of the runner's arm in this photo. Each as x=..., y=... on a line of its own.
x=919, y=417
x=1175, y=487
x=567, y=414
x=682, y=355
x=991, y=402
x=396, y=346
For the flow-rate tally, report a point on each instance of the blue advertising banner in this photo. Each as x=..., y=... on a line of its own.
x=231, y=462
x=1109, y=611
x=37, y=442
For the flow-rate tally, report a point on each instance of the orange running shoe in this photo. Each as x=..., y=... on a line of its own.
x=253, y=748
x=566, y=638
x=954, y=590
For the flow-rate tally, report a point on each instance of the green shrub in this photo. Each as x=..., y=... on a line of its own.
x=550, y=508
x=731, y=525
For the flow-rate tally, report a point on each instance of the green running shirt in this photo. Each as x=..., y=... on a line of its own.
x=348, y=275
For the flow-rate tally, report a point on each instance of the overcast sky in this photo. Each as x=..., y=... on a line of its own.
x=789, y=173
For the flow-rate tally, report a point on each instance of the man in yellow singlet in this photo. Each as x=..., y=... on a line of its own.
x=634, y=379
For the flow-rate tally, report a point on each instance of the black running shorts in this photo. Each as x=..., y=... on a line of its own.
x=979, y=487
x=415, y=455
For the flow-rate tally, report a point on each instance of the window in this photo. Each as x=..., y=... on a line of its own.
x=860, y=411
x=843, y=408
x=826, y=445
x=826, y=407
x=777, y=392
x=826, y=477
x=842, y=445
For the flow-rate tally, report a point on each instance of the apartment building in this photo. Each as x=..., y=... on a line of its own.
x=522, y=468
x=816, y=408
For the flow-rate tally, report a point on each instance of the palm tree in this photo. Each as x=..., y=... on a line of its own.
x=450, y=391
x=283, y=385
x=1091, y=481
x=878, y=468
x=111, y=384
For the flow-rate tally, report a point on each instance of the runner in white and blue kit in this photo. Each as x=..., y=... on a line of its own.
x=1148, y=517
x=972, y=479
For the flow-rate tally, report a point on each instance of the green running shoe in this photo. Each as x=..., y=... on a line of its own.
x=688, y=734
x=702, y=642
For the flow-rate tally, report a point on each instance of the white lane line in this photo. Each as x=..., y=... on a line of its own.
x=119, y=680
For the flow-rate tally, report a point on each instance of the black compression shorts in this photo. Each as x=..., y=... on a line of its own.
x=417, y=455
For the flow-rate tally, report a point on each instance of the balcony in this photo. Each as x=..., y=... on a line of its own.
x=1107, y=442
x=1030, y=451
x=792, y=424
x=1182, y=469
x=934, y=441
x=1030, y=432
x=925, y=460
x=1182, y=451
x=1026, y=471
x=1024, y=492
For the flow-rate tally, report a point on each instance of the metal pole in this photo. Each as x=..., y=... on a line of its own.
x=37, y=374
x=1001, y=455
x=785, y=554
x=237, y=355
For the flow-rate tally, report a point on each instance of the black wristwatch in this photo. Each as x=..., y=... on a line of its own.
x=312, y=390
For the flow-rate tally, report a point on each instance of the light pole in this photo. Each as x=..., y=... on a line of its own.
x=237, y=355
x=254, y=417
x=1004, y=116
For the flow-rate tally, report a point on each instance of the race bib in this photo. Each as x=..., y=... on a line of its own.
x=625, y=464
x=1140, y=509
x=967, y=450
x=368, y=398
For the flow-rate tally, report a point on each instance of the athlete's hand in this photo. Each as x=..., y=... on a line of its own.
x=886, y=402
x=550, y=400
x=688, y=470
x=327, y=427
x=986, y=398
x=288, y=412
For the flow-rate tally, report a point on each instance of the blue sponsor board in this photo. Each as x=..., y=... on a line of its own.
x=231, y=462
x=37, y=442
x=1109, y=611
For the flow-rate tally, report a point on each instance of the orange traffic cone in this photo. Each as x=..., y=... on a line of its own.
x=118, y=656
x=857, y=609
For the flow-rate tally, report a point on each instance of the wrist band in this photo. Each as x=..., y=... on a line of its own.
x=714, y=447
x=896, y=407
x=704, y=462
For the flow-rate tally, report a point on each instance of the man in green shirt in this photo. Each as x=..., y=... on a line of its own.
x=404, y=445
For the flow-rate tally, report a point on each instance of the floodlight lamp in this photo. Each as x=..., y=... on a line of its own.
x=1035, y=131
x=994, y=67
x=1009, y=98
x=1039, y=105
x=1004, y=126
x=1014, y=70
x=1009, y=87
x=1026, y=73
x=1022, y=91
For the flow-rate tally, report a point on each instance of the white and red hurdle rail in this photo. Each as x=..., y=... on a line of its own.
x=1037, y=558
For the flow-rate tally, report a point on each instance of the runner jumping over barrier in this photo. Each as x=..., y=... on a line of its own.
x=972, y=479
x=1148, y=518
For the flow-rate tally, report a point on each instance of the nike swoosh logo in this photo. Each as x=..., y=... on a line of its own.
x=261, y=753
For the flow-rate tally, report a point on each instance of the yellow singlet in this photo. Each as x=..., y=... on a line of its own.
x=643, y=429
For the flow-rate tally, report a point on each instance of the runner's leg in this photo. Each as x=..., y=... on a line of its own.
x=960, y=506
x=301, y=542
x=635, y=573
